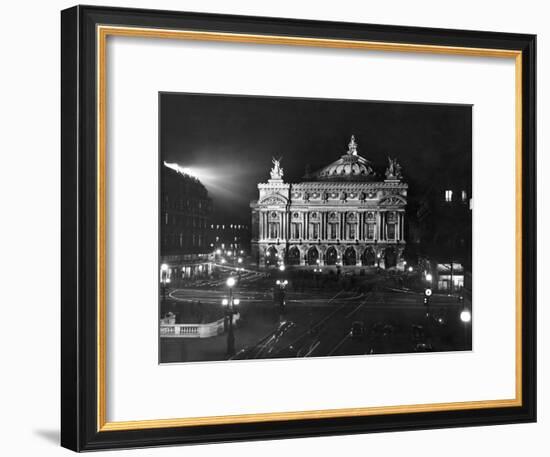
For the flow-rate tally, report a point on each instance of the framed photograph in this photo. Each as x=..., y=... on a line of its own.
x=278, y=228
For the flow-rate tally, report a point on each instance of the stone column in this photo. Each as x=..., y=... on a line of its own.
x=262, y=225
x=398, y=231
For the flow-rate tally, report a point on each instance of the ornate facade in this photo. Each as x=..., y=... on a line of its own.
x=341, y=215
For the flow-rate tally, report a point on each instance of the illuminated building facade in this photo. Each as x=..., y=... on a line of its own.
x=230, y=240
x=341, y=215
x=185, y=220
x=444, y=215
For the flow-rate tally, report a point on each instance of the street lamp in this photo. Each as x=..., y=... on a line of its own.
x=410, y=269
x=230, y=311
x=429, y=277
x=280, y=295
x=427, y=295
x=282, y=267
x=465, y=316
x=164, y=279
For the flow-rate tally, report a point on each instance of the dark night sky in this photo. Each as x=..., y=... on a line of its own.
x=228, y=141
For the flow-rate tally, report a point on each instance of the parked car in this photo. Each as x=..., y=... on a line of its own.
x=418, y=333
x=357, y=330
x=423, y=347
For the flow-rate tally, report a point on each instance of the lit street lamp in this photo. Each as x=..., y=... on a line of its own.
x=280, y=294
x=230, y=311
x=164, y=279
x=465, y=317
x=427, y=295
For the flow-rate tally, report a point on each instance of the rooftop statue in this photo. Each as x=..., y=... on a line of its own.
x=352, y=146
x=276, y=172
x=394, y=169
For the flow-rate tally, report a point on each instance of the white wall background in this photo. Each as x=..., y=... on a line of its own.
x=29, y=228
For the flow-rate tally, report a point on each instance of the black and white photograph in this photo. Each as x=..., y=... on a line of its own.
x=295, y=228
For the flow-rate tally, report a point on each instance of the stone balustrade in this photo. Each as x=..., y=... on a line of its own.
x=207, y=330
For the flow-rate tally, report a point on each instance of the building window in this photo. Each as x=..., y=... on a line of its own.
x=370, y=231
x=314, y=231
x=333, y=231
x=391, y=231
x=352, y=231
x=448, y=195
x=464, y=196
x=296, y=231
x=273, y=230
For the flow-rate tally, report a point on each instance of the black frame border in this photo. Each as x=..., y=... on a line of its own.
x=79, y=236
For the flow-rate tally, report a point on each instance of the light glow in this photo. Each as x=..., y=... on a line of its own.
x=465, y=316
x=183, y=170
x=231, y=281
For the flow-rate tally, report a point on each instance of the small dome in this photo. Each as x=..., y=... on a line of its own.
x=351, y=167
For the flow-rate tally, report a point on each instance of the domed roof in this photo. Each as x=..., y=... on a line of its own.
x=350, y=167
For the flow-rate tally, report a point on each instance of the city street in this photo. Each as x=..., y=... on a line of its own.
x=318, y=321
